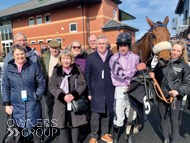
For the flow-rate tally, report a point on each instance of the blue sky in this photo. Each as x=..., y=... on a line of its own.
x=156, y=10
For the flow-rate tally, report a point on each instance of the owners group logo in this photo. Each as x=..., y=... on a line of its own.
x=42, y=128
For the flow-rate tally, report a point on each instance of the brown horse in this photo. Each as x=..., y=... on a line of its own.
x=158, y=32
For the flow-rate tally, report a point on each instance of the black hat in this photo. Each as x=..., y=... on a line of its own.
x=123, y=39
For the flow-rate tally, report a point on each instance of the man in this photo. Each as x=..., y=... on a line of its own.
x=92, y=44
x=123, y=65
x=100, y=89
x=48, y=61
x=20, y=39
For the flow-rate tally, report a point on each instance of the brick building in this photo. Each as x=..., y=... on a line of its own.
x=63, y=21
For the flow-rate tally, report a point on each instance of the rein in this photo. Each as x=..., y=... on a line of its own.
x=162, y=97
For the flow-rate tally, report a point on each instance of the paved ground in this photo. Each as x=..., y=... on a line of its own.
x=151, y=132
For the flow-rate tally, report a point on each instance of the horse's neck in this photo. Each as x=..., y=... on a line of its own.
x=144, y=46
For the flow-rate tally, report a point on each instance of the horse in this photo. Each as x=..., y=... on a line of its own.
x=158, y=32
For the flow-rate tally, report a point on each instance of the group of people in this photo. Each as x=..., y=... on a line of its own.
x=97, y=74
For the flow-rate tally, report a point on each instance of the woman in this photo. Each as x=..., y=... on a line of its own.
x=174, y=80
x=66, y=84
x=22, y=89
x=79, y=54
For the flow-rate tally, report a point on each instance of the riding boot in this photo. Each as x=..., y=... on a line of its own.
x=166, y=141
x=129, y=137
x=115, y=134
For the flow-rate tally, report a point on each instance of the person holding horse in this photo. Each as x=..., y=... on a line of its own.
x=173, y=76
x=123, y=64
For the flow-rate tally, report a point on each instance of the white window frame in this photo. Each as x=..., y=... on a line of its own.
x=29, y=21
x=48, y=40
x=40, y=41
x=37, y=19
x=45, y=18
x=59, y=41
x=32, y=42
x=115, y=14
x=70, y=27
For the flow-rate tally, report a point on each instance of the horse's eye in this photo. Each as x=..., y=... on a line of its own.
x=153, y=36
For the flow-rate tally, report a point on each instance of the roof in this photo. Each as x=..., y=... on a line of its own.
x=179, y=8
x=125, y=16
x=114, y=24
x=34, y=7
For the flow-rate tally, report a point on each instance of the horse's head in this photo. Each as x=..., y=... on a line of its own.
x=158, y=31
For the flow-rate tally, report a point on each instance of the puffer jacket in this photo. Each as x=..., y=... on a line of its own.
x=175, y=76
x=30, y=79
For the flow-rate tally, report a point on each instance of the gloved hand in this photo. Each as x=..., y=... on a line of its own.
x=141, y=66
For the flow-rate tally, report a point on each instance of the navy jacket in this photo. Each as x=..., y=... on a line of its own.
x=31, y=55
x=30, y=79
x=101, y=90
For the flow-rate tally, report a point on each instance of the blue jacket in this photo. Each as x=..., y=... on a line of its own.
x=31, y=55
x=30, y=79
x=101, y=90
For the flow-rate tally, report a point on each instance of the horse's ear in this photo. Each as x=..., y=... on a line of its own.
x=150, y=22
x=166, y=20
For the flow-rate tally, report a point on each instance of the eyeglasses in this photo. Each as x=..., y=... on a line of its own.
x=22, y=40
x=76, y=47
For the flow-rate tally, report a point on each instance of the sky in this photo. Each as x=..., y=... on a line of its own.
x=155, y=10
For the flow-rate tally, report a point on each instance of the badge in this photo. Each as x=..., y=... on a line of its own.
x=102, y=74
x=24, y=95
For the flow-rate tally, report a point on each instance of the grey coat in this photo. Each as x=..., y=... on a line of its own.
x=60, y=106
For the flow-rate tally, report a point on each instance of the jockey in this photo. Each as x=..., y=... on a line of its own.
x=124, y=64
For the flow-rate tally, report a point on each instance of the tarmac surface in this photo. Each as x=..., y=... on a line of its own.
x=150, y=132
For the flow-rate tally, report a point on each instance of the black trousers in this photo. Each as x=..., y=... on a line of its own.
x=35, y=131
x=164, y=116
x=75, y=135
x=48, y=105
x=96, y=118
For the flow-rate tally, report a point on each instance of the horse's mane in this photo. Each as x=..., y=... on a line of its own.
x=142, y=37
x=158, y=22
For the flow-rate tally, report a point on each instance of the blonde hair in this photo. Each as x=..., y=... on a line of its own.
x=71, y=45
x=182, y=43
x=65, y=53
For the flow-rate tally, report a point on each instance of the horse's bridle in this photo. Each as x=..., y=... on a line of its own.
x=151, y=42
x=159, y=25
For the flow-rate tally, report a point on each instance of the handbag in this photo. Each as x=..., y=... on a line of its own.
x=10, y=133
x=79, y=105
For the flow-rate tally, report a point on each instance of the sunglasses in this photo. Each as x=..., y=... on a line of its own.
x=76, y=47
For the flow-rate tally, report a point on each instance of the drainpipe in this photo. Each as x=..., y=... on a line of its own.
x=83, y=25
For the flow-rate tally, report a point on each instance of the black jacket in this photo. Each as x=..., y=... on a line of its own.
x=175, y=76
x=101, y=90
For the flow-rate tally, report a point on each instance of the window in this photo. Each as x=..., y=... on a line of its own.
x=40, y=41
x=48, y=40
x=186, y=14
x=59, y=41
x=47, y=18
x=31, y=21
x=32, y=42
x=39, y=19
x=115, y=14
x=73, y=27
